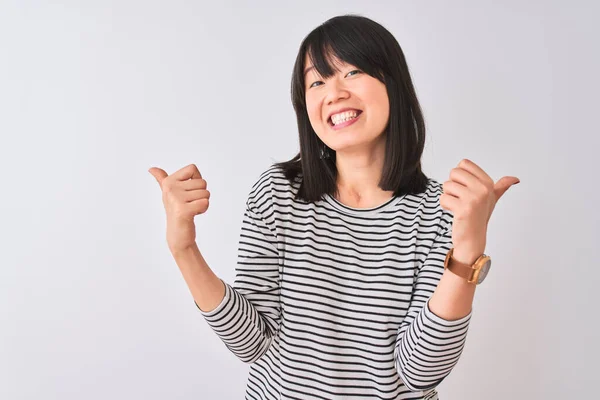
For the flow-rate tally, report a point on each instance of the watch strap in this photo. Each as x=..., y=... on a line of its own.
x=466, y=271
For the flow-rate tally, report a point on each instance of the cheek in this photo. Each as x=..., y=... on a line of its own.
x=314, y=113
x=376, y=97
x=383, y=104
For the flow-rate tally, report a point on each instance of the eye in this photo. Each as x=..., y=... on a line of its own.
x=355, y=70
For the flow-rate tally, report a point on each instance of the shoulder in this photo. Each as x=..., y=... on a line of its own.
x=433, y=191
x=432, y=207
x=271, y=188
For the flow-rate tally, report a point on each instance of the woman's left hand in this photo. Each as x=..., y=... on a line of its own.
x=471, y=195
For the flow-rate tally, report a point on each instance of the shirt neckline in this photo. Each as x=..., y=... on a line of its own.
x=362, y=211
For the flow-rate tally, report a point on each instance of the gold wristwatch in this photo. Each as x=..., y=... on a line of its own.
x=475, y=273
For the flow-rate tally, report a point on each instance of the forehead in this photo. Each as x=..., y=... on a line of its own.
x=331, y=59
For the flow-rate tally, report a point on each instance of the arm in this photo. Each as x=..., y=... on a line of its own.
x=206, y=288
x=248, y=316
x=428, y=346
x=453, y=297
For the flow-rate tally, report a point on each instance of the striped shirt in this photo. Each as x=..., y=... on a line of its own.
x=331, y=302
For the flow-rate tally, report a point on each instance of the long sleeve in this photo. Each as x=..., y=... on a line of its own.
x=248, y=317
x=427, y=346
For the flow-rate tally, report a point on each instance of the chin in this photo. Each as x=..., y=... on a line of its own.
x=348, y=147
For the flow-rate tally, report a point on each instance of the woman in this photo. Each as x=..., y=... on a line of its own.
x=341, y=289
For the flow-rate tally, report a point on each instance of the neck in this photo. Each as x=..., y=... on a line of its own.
x=359, y=173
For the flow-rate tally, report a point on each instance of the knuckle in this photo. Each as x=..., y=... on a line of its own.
x=483, y=191
x=167, y=185
x=170, y=194
x=202, y=206
x=469, y=207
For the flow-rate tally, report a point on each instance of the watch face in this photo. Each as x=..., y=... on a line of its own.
x=484, y=271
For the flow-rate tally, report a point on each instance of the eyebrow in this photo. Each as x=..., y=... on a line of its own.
x=308, y=69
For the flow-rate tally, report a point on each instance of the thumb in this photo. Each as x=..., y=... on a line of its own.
x=158, y=174
x=503, y=184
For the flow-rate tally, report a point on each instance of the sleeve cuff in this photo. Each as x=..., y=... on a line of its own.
x=221, y=305
x=440, y=322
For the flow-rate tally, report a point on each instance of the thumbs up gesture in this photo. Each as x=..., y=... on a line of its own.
x=471, y=194
x=184, y=196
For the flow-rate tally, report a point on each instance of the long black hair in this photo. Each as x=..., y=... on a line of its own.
x=364, y=43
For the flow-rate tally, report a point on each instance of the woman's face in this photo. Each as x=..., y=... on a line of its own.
x=348, y=88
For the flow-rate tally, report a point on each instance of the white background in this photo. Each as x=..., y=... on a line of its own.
x=93, y=93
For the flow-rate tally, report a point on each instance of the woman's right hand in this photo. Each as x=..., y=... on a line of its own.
x=184, y=196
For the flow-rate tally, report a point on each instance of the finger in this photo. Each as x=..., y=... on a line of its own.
x=455, y=189
x=158, y=174
x=187, y=172
x=503, y=184
x=449, y=202
x=197, y=206
x=464, y=177
x=475, y=170
x=193, y=184
x=193, y=195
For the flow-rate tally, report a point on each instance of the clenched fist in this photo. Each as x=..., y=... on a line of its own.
x=184, y=196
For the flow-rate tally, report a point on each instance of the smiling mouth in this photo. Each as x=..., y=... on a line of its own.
x=330, y=122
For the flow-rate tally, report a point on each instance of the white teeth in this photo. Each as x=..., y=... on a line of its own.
x=343, y=117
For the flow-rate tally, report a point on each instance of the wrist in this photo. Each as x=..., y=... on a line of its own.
x=471, y=264
x=182, y=251
x=466, y=255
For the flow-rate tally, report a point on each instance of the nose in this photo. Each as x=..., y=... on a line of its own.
x=336, y=91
